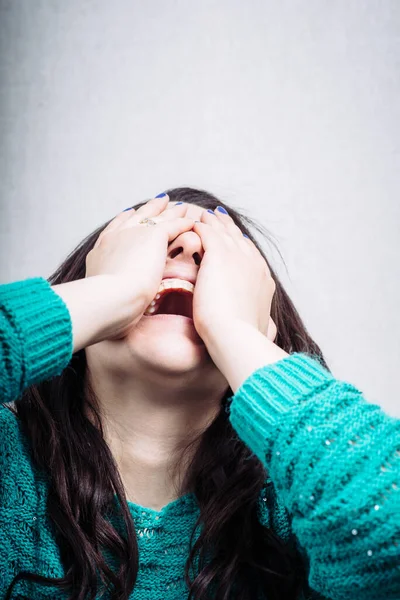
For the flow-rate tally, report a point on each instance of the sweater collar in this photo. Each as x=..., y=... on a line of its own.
x=185, y=505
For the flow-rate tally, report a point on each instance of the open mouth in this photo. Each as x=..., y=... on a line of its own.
x=173, y=302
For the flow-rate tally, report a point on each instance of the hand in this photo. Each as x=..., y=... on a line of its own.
x=234, y=284
x=135, y=255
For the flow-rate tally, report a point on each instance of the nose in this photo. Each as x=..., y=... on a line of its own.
x=188, y=247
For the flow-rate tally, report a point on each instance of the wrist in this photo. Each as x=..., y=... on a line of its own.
x=238, y=349
x=100, y=307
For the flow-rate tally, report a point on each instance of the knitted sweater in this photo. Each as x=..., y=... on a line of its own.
x=333, y=461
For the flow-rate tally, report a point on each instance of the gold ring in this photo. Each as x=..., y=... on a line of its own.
x=147, y=221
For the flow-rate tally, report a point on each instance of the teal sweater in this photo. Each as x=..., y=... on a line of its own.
x=333, y=461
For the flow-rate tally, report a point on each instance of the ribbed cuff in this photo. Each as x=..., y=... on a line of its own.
x=269, y=392
x=44, y=325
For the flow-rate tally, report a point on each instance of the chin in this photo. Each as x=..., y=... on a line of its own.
x=168, y=348
x=164, y=326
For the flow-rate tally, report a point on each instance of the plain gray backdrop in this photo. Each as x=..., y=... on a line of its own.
x=287, y=110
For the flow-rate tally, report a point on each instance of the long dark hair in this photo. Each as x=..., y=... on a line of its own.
x=248, y=559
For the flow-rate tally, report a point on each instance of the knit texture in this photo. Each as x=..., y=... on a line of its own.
x=333, y=461
x=35, y=335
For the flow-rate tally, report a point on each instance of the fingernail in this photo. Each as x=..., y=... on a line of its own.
x=130, y=208
x=178, y=203
x=244, y=235
x=211, y=211
x=161, y=195
x=221, y=209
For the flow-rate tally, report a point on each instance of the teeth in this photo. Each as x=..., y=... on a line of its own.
x=178, y=284
x=168, y=284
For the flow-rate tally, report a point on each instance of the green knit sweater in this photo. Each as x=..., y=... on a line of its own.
x=333, y=461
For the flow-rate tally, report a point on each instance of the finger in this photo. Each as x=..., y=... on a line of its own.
x=124, y=219
x=253, y=248
x=228, y=226
x=173, y=204
x=113, y=224
x=209, y=218
x=228, y=223
x=170, y=213
x=175, y=227
x=209, y=235
x=128, y=216
x=152, y=208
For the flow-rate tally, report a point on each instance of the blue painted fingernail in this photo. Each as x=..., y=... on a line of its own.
x=130, y=208
x=161, y=195
x=244, y=235
x=211, y=211
x=178, y=203
x=221, y=209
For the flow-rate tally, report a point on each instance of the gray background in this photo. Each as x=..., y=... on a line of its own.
x=288, y=110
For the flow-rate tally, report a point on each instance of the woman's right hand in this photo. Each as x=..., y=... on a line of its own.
x=123, y=272
x=135, y=255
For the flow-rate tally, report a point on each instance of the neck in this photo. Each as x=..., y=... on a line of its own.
x=149, y=418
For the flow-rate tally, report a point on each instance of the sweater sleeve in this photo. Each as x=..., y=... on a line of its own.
x=334, y=460
x=35, y=335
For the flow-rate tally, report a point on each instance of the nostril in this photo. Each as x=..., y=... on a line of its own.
x=197, y=258
x=175, y=252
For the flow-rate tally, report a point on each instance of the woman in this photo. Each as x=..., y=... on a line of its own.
x=204, y=453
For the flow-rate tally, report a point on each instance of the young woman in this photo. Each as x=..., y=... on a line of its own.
x=170, y=430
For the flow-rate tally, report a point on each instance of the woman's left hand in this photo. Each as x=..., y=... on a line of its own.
x=234, y=284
